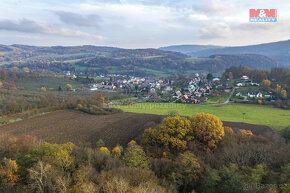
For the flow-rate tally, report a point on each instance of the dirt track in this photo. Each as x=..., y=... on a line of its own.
x=77, y=127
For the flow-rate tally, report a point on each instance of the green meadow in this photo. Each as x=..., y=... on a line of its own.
x=254, y=114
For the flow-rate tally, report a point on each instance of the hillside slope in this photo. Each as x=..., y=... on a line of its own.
x=279, y=51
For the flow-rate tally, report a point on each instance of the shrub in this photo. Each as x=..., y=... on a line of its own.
x=286, y=134
x=244, y=134
x=228, y=130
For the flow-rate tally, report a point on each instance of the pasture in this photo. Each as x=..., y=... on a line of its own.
x=254, y=114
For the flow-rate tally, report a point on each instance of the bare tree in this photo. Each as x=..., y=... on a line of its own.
x=39, y=177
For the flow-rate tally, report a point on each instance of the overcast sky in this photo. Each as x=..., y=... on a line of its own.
x=139, y=23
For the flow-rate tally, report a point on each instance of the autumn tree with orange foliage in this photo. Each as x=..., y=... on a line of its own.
x=207, y=129
x=8, y=172
x=117, y=152
x=228, y=130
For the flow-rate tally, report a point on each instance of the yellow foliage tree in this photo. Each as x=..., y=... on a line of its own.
x=117, y=151
x=278, y=88
x=104, y=149
x=265, y=85
x=43, y=89
x=207, y=128
x=79, y=106
x=132, y=142
x=1, y=84
x=8, y=172
x=25, y=69
x=244, y=134
x=284, y=93
x=260, y=101
x=69, y=86
x=15, y=68
x=173, y=132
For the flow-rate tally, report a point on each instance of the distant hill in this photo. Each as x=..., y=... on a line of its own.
x=279, y=51
x=164, y=62
x=189, y=49
x=254, y=61
x=4, y=48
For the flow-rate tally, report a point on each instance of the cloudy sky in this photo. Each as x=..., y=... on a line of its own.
x=139, y=23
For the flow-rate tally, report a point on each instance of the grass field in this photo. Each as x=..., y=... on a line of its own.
x=219, y=99
x=48, y=82
x=195, y=60
x=254, y=114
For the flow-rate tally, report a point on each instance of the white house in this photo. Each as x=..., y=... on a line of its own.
x=239, y=94
x=239, y=84
x=245, y=77
x=215, y=79
x=255, y=94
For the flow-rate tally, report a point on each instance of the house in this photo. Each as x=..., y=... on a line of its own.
x=152, y=90
x=239, y=94
x=244, y=78
x=239, y=84
x=255, y=94
x=167, y=89
x=101, y=86
x=215, y=79
x=185, y=97
x=255, y=83
x=178, y=93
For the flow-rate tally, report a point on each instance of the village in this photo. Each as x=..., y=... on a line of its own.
x=199, y=89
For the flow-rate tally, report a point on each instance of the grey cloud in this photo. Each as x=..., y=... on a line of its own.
x=23, y=25
x=30, y=26
x=91, y=20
